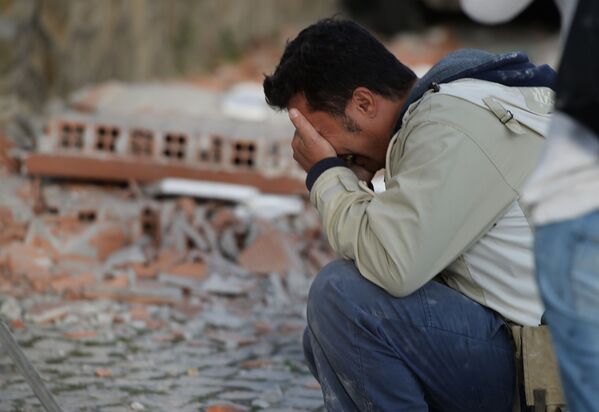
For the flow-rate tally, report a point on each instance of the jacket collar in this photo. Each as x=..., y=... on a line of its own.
x=510, y=69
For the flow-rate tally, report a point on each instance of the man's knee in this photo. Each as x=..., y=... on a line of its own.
x=332, y=284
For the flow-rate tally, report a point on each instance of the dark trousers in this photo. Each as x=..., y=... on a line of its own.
x=434, y=350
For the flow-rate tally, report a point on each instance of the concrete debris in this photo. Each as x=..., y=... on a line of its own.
x=146, y=132
x=211, y=290
x=125, y=256
x=273, y=206
x=137, y=406
x=204, y=190
x=280, y=298
x=231, y=286
x=219, y=317
x=10, y=309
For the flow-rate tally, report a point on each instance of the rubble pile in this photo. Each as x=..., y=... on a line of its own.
x=127, y=302
x=108, y=244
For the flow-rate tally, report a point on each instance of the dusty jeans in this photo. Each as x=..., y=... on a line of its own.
x=567, y=259
x=434, y=350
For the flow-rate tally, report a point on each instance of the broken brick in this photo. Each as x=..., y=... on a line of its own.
x=109, y=240
x=17, y=324
x=124, y=168
x=42, y=243
x=196, y=270
x=139, y=312
x=81, y=334
x=76, y=264
x=263, y=327
x=189, y=310
x=224, y=407
x=72, y=284
x=167, y=258
x=256, y=363
x=47, y=312
x=117, y=281
x=222, y=218
x=9, y=229
x=65, y=226
x=154, y=324
x=6, y=160
x=33, y=263
x=266, y=254
x=103, y=373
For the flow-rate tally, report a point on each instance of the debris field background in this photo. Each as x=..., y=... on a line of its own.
x=128, y=301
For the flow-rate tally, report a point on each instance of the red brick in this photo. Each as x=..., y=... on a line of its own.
x=267, y=254
x=109, y=240
x=139, y=312
x=190, y=269
x=81, y=334
x=48, y=312
x=167, y=258
x=256, y=363
x=24, y=259
x=103, y=373
x=223, y=408
x=119, y=281
x=17, y=324
x=41, y=243
x=72, y=284
x=222, y=218
x=9, y=229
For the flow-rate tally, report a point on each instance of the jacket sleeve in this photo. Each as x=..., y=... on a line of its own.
x=443, y=195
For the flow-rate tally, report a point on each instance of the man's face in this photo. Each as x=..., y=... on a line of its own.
x=348, y=135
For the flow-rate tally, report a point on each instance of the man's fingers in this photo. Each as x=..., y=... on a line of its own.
x=304, y=128
x=308, y=145
x=296, y=141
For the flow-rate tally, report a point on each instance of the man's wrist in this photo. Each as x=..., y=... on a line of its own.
x=320, y=167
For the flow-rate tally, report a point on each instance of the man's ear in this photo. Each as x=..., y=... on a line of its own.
x=364, y=102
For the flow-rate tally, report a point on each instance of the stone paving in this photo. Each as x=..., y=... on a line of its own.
x=107, y=356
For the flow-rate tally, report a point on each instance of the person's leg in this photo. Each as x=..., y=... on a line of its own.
x=433, y=350
x=567, y=261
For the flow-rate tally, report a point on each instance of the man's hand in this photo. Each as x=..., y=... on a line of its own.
x=308, y=145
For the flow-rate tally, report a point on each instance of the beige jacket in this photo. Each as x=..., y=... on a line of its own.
x=451, y=172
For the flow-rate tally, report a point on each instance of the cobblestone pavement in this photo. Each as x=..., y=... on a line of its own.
x=107, y=356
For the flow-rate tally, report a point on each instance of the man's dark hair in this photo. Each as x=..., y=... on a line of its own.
x=328, y=60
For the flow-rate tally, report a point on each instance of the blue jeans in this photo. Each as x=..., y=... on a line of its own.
x=434, y=350
x=567, y=260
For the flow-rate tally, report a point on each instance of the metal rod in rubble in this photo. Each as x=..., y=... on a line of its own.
x=33, y=378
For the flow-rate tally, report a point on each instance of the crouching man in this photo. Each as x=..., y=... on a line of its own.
x=413, y=318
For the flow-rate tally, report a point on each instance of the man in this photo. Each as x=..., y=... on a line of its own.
x=413, y=318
